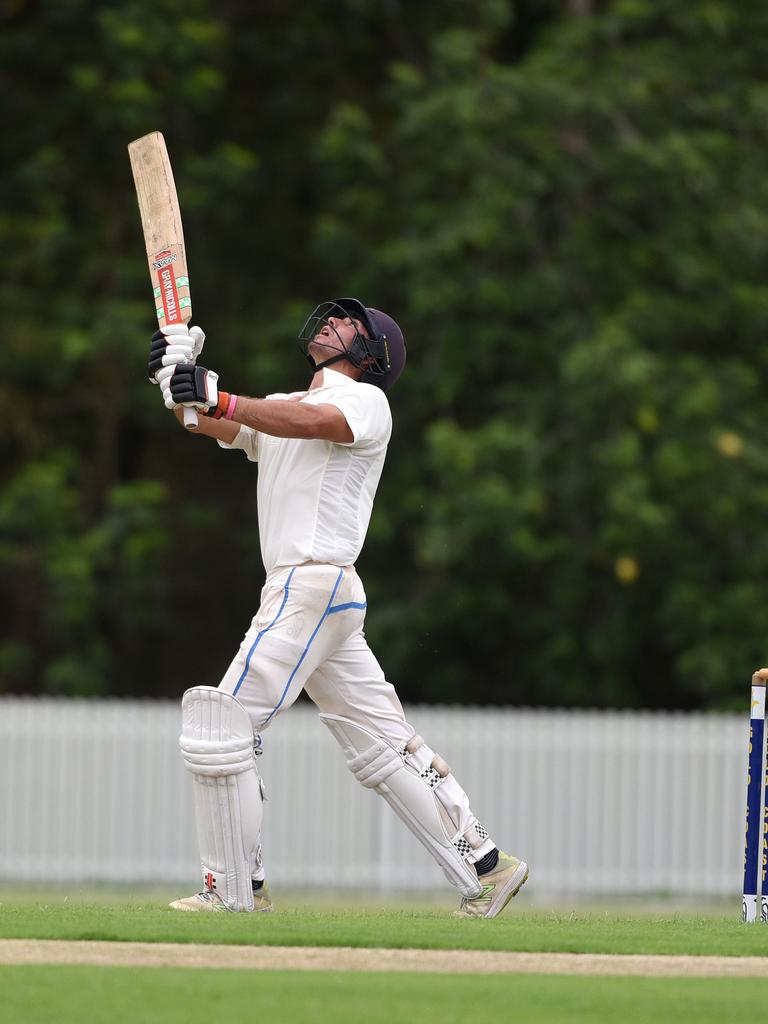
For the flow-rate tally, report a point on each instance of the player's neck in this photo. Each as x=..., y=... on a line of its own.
x=343, y=367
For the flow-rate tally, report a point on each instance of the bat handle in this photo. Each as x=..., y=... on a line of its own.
x=190, y=417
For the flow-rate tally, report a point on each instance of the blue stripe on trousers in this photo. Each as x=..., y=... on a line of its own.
x=324, y=616
x=266, y=629
x=349, y=604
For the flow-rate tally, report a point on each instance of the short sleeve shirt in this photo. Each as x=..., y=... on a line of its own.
x=315, y=497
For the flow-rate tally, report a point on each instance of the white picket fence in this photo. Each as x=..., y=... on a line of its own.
x=598, y=802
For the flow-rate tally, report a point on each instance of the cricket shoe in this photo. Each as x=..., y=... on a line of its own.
x=499, y=886
x=208, y=900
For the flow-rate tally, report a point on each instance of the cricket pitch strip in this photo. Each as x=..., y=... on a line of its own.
x=331, y=958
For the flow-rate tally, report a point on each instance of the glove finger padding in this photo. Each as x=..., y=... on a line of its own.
x=165, y=373
x=169, y=367
x=192, y=385
x=178, y=354
x=175, y=344
x=180, y=334
x=157, y=349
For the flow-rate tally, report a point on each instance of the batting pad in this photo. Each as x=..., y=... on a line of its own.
x=413, y=795
x=217, y=745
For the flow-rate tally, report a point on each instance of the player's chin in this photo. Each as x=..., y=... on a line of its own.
x=321, y=349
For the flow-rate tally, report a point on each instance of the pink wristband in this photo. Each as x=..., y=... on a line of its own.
x=231, y=407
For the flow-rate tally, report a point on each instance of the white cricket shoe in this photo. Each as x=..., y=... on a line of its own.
x=499, y=886
x=208, y=900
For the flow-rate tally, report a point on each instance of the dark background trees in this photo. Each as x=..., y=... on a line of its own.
x=566, y=207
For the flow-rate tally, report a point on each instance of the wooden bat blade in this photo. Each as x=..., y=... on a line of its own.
x=163, y=234
x=161, y=223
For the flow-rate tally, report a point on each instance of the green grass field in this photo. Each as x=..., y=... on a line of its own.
x=75, y=995
x=60, y=916
x=70, y=995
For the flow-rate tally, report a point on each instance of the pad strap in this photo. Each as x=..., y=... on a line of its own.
x=217, y=758
x=412, y=784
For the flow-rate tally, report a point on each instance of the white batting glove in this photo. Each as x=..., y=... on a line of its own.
x=173, y=345
x=191, y=385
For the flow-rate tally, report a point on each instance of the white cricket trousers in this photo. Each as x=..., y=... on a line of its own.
x=308, y=634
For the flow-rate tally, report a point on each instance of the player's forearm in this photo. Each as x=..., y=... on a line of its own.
x=196, y=386
x=279, y=417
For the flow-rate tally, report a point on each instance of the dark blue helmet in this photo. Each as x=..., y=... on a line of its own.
x=385, y=343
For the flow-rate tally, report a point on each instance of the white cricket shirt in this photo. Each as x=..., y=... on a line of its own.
x=315, y=497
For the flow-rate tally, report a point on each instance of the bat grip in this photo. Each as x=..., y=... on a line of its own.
x=190, y=417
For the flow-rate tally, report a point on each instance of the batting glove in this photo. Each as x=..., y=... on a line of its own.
x=173, y=345
x=191, y=385
x=197, y=387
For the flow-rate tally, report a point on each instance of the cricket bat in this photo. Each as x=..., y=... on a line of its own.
x=163, y=234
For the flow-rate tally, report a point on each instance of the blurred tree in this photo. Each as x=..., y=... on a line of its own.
x=563, y=203
x=579, y=238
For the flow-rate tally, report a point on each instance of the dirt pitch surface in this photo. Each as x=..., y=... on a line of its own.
x=326, y=958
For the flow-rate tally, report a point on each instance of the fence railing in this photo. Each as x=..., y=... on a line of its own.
x=597, y=802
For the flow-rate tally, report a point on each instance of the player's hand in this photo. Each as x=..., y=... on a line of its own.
x=198, y=388
x=188, y=384
x=173, y=345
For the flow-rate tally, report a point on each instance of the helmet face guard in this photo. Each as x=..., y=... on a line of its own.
x=380, y=354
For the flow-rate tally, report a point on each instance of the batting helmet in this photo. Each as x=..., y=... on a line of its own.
x=385, y=343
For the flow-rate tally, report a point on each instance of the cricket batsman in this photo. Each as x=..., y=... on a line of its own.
x=320, y=454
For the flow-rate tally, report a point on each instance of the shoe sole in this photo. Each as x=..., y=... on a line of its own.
x=510, y=890
x=177, y=905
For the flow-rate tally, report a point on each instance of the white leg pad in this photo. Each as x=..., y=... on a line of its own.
x=217, y=745
x=411, y=793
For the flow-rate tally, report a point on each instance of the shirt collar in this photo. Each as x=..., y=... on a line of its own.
x=331, y=377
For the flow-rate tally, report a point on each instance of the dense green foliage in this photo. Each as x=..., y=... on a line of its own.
x=566, y=207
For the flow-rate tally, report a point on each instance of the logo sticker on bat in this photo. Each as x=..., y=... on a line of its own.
x=163, y=259
x=169, y=295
